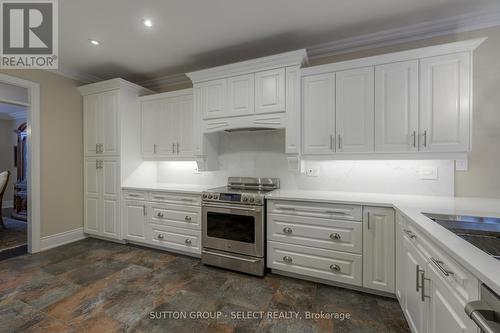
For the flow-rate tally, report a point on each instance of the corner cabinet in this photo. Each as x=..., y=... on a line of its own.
x=110, y=113
x=416, y=101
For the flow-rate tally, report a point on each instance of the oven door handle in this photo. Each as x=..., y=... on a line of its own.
x=246, y=208
x=231, y=257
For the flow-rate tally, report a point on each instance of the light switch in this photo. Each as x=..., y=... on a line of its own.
x=428, y=173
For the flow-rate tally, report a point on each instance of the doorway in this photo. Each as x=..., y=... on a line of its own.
x=19, y=167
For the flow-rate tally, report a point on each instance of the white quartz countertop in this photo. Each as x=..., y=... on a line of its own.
x=165, y=187
x=482, y=265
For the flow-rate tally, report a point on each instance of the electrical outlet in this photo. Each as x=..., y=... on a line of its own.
x=312, y=172
x=428, y=173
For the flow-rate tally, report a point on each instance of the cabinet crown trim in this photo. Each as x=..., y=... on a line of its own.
x=293, y=58
x=169, y=94
x=113, y=84
x=412, y=54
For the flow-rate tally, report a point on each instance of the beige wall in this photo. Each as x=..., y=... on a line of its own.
x=60, y=150
x=483, y=177
x=7, y=155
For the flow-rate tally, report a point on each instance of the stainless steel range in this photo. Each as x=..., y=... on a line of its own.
x=234, y=224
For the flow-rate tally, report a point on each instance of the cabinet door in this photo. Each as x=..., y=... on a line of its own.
x=185, y=136
x=355, y=110
x=92, y=196
x=149, y=127
x=400, y=260
x=134, y=217
x=110, y=173
x=378, y=249
x=446, y=310
x=414, y=308
x=110, y=125
x=240, y=95
x=91, y=123
x=318, y=113
x=270, y=91
x=167, y=126
x=214, y=98
x=445, y=103
x=396, y=107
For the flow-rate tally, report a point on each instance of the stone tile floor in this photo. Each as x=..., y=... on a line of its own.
x=98, y=286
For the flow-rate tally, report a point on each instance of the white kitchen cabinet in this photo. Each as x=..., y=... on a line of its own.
x=396, y=107
x=101, y=124
x=445, y=88
x=213, y=98
x=318, y=121
x=270, y=91
x=102, y=197
x=134, y=220
x=354, y=110
x=168, y=125
x=241, y=95
x=378, y=249
x=400, y=259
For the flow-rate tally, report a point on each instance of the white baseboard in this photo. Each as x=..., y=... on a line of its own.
x=8, y=204
x=49, y=242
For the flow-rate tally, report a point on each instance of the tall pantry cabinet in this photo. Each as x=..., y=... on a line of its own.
x=111, y=151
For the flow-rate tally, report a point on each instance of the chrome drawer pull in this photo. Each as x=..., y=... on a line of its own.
x=335, y=236
x=287, y=259
x=423, y=279
x=160, y=214
x=440, y=265
x=188, y=242
x=287, y=230
x=188, y=218
x=343, y=212
x=134, y=195
x=286, y=208
x=410, y=234
x=335, y=267
x=160, y=236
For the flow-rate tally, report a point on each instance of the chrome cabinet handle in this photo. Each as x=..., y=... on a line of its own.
x=335, y=236
x=187, y=218
x=287, y=259
x=414, y=136
x=134, y=195
x=286, y=208
x=335, y=267
x=154, y=148
x=332, y=142
x=161, y=236
x=483, y=314
x=410, y=234
x=340, y=141
x=368, y=222
x=423, y=279
x=417, y=277
x=144, y=210
x=425, y=138
x=187, y=241
x=287, y=230
x=173, y=148
x=160, y=214
x=97, y=164
x=440, y=265
x=178, y=151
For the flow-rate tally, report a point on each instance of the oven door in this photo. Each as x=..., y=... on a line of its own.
x=233, y=228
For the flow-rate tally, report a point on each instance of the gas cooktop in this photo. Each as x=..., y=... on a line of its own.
x=482, y=232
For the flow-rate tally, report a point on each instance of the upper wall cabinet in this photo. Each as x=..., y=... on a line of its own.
x=416, y=101
x=260, y=93
x=445, y=88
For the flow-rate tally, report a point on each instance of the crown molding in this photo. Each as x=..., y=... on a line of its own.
x=75, y=75
x=113, y=84
x=163, y=82
x=424, y=30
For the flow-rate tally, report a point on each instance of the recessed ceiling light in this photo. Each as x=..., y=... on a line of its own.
x=148, y=23
x=94, y=42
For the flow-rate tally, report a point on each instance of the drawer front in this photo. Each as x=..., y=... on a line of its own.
x=324, y=233
x=135, y=195
x=316, y=209
x=318, y=263
x=185, y=240
x=176, y=216
x=458, y=279
x=176, y=198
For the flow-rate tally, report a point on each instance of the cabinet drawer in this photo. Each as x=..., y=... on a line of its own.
x=180, y=239
x=316, y=209
x=135, y=195
x=176, y=216
x=317, y=263
x=324, y=233
x=176, y=198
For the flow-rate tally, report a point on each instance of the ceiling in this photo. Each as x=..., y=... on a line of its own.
x=194, y=34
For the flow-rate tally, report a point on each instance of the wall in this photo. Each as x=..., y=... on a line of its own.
x=483, y=176
x=61, y=151
x=261, y=154
x=6, y=156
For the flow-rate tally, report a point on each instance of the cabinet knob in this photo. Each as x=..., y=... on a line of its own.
x=335, y=267
x=161, y=236
x=188, y=218
x=287, y=230
x=335, y=236
x=287, y=259
x=160, y=214
x=187, y=241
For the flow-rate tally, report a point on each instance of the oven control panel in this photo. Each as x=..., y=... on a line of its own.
x=249, y=199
